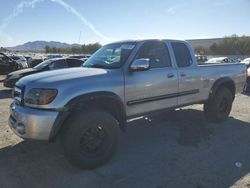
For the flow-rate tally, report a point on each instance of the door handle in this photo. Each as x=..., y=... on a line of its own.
x=170, y=75
x=183, y=74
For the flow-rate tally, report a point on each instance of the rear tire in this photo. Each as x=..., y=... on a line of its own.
x=89, y=139
x=218, y=108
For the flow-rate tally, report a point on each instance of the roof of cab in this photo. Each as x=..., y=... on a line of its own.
x=148, y=40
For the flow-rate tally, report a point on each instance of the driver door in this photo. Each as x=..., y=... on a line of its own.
x=153, y=89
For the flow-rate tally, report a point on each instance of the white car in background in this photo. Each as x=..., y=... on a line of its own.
x=247, y=62
x=21, y=60
x=219, y=60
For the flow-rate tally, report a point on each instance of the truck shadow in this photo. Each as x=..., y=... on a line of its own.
x=169, y=149
x=246, y=93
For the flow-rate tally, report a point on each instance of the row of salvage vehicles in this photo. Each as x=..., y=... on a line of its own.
x=17, y=69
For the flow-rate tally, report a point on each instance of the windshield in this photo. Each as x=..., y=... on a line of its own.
x=42, y=65
x=110, y=56
x=15, y=57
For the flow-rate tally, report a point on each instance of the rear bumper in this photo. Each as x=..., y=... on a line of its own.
x=31, y=123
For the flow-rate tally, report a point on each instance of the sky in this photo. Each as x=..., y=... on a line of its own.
x=88, y=21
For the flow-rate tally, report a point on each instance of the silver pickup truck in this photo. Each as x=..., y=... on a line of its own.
x=87, y=106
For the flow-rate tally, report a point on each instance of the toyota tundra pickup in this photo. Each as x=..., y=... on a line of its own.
x=87, y=106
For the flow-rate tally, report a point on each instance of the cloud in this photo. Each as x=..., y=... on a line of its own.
x=32, y=3
x=174, y=9
x=82, y=18
x=18, y=10
x=171, y=10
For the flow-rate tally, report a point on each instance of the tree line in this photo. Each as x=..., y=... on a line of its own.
x=76, y=49
x=232, y=45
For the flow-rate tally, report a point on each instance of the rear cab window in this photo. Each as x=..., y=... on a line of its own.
x=182, y=54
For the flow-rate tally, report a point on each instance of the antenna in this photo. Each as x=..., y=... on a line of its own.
x=80, y=35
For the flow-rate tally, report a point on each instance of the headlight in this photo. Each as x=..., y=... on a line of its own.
x=39, y=96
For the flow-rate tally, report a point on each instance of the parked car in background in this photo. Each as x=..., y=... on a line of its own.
x=20, y=60
x=201, y=59
x=82, y=57
x=8, y=64
x=29, y=60
x=79, y=56
x=247, y=62
x=219, y=60
x=52, y=56
x=247, y=88
x=35, y=62
x=51, y=64
x=236, y=60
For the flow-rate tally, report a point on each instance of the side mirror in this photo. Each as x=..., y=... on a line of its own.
x=140, y=65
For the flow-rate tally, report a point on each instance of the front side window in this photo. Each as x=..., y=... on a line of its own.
x=157, y=54
x=110, y=56
x=182, y=54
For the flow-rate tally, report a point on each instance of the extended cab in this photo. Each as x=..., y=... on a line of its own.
x=87, y=106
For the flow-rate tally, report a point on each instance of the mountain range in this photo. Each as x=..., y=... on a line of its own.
x=39, y=46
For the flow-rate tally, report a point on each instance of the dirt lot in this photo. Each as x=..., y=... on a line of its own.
x=177, y=149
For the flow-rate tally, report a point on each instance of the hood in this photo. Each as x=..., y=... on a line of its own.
x=55, y=77
x=22, y=72
x=73, y=82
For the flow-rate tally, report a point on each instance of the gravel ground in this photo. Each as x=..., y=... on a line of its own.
x=170, y=149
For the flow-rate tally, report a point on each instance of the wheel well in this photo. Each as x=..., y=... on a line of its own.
x=107, y=104
x=104, y=101
x=223, y=83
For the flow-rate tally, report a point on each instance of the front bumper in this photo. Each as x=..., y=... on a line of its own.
x=30, y=123
x=9, y=83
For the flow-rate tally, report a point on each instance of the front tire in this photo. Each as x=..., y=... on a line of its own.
x=219, y=107
x=89, y=139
